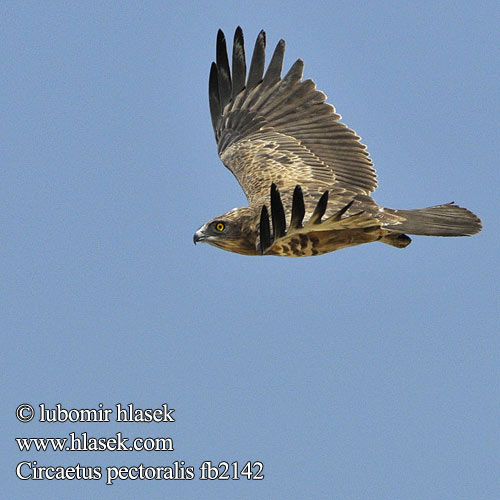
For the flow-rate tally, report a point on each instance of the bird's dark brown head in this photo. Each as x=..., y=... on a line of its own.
x=234, y=231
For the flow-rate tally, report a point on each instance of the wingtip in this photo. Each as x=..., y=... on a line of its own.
x=213, y=83
x=238, y=33
x=261, y=39
x=277, y=213
x=265, y=230
x=299, y=65
x=298, y=208
x=320, y=209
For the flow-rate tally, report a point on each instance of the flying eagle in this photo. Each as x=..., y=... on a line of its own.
x=307, y=177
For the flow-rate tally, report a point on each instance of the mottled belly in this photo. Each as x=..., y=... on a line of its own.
x=321, y=242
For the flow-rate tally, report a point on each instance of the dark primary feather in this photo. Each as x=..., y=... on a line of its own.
x=265, y=230
x=273, y=73
x=343, y=210
x=277, y=213
x=223, y=74
x=258, y=61
x=239, y=64
x=298, y=208
x=213, y=96
x=320, y=209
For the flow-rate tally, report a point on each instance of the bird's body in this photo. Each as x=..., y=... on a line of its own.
x=307, y=177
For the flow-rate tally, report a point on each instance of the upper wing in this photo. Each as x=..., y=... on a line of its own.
x=281, y=131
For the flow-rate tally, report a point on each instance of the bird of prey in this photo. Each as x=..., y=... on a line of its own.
x=306, y=176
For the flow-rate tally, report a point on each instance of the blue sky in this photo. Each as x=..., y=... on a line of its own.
x=369, y=373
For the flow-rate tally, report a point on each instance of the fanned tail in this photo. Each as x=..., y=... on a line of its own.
x=441, y=220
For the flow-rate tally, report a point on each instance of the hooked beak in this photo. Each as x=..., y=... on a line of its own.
x=198, y=236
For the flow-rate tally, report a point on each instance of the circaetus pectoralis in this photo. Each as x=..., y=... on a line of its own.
x=307, y=177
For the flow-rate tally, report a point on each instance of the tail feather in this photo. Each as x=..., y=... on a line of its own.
x=440, y=220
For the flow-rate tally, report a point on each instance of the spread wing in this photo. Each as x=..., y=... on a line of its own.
x=280, y=130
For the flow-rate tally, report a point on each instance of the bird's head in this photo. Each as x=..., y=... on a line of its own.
x=234, y=231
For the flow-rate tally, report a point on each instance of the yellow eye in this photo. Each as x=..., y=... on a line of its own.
x=220, y=226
